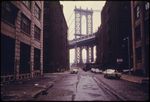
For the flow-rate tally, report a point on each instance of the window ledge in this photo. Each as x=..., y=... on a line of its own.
x=12, y=25
x=37, y=40
x=25, y=33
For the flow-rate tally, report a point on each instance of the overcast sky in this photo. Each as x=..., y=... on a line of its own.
x=68, y=9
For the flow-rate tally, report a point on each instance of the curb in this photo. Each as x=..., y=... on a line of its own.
x=135, y=79
x=109, y=89
x=31, y=97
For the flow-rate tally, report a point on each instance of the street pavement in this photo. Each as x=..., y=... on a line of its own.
x=125, y=88
x=28, y=89
x=87, y=86
x=75, y=87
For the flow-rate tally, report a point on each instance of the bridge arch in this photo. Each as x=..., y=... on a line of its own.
x=83, y=19
x=83, y=25
x=79, y=14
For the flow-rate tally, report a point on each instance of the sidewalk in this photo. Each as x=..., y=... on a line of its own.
x=135, y=79
x=25, y=90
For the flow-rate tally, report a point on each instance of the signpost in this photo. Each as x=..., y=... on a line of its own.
x=119, y=61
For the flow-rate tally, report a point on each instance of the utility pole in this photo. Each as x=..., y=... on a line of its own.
x=128, y=42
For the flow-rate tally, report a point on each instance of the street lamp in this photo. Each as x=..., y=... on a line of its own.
x=127, y=38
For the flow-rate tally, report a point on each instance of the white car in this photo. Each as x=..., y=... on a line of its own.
x=74, y=70
x=98, y=71
x=112, y=73
x=93, y=70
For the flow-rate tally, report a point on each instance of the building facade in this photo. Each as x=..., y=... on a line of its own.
x=21, y=40
x=140, y=35
x=112, y=47
x=56, y=53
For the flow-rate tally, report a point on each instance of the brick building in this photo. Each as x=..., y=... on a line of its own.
x=21, y=39
x=140, y=34
x=111, y=36
x=56, y=53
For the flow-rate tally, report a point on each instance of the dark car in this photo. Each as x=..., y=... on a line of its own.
x=88, y=66
x=112, y=73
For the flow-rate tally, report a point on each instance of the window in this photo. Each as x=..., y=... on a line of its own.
x=9, y=12
x=7, y=55
x=37, y=11
x=25, y=24
x=146, y=5
x=27, y=3
x=137, y=11
x=37, y=62
x=138, y=33
x=37, y=32
x=25, y=55
x=139, y=55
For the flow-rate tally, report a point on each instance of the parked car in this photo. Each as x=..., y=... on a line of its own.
x=128, y=71
x=112, y=73
x=98, y=70
x=89, y=66
x=93, y=70
x=74, y=70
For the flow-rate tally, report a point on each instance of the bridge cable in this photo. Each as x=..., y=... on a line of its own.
x=71, y=23
x=70, y=17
